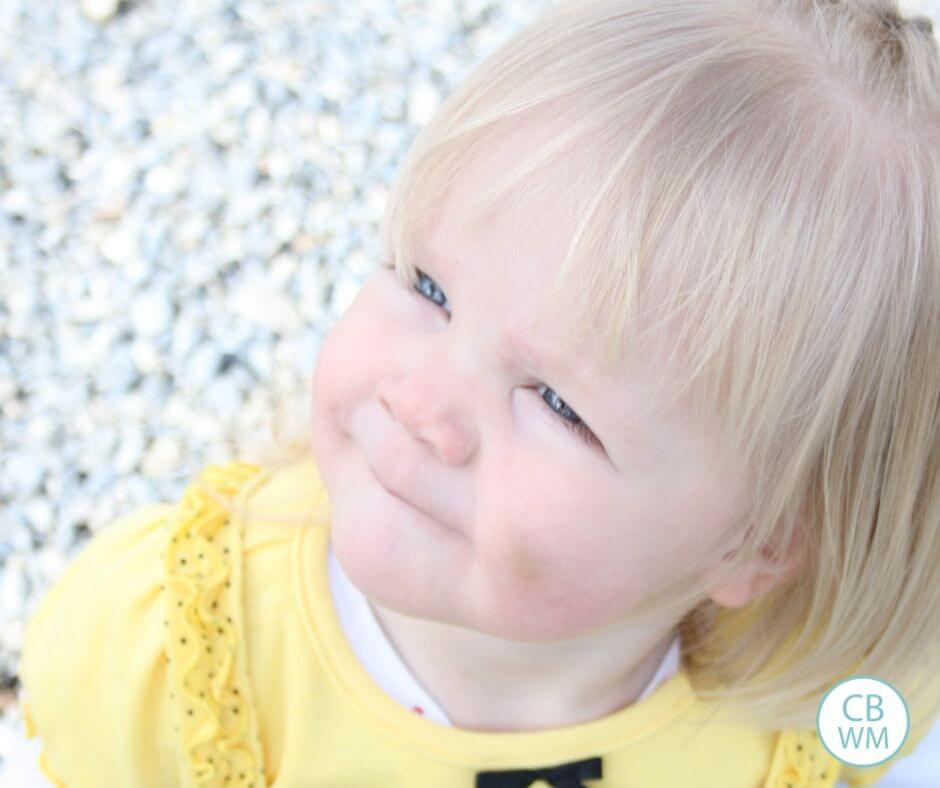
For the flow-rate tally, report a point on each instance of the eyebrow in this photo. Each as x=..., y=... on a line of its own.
x=512, y=346
x=605, y=421
x=516, y=345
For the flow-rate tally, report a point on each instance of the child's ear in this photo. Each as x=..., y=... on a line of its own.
x=758, y=577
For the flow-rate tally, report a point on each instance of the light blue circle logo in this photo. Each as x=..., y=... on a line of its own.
x=862, y=720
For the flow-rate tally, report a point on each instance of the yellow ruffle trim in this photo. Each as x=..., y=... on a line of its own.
x=801, y=761
x=29, y=728
x=213, y=705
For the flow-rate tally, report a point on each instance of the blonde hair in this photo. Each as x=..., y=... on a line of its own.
x=763, y=178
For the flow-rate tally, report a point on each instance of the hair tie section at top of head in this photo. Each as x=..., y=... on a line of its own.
x=894, y=22
x=890, y=20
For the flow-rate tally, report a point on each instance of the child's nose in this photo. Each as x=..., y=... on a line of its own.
x=432, y=410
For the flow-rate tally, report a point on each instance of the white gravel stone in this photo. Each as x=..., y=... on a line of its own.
x=39, y=514
x=12, y=587
x=162, y=456
x=151, y=313
x=163, y=181
x=265, y=306
x=100, y=10
x=423, y=99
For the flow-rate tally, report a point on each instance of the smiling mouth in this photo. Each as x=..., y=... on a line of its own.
x=409, y=504
x=394, y=494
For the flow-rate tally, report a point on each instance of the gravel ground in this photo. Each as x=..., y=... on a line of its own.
x=189, y=196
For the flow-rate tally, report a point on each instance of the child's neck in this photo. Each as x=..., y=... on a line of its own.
x=489, y=684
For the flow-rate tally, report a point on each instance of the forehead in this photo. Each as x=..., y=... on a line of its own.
x=513, y=252
x=501, y=266
x=520, y=242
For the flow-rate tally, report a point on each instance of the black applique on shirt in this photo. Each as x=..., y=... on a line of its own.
x=565, y=775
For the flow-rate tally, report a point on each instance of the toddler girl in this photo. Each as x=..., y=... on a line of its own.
x=624, y=455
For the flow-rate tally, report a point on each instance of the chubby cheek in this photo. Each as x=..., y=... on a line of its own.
x=554, y=564
x=334, y=373
x=346, y=367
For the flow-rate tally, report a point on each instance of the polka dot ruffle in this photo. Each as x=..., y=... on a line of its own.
x=801, y=761
x=213, y=709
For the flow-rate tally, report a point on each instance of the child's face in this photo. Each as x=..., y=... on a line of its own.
x=502, y=518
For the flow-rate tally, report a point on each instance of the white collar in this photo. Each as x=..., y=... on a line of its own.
x=383, y=663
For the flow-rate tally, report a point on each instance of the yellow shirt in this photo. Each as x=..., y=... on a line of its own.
x=187, y=646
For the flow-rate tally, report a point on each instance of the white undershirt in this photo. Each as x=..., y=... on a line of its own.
x=385, y=666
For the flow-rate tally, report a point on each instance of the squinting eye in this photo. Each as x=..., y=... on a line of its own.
x=572, y=421
x=427, y=287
